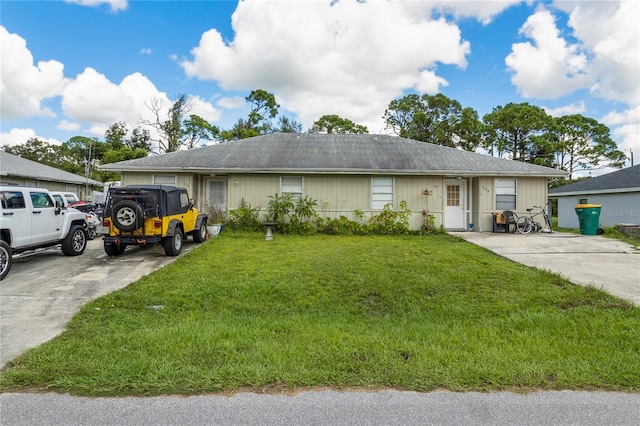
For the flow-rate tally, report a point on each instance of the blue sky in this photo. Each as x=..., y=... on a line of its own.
x=75, y=67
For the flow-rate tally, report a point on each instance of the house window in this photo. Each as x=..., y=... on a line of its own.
x=164, y=179
x=453, y=195
x=291, y=185
x=381, y=192
x=583, y=201
x=505, y=194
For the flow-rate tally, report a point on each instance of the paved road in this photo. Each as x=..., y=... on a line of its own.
x=45, y=289
x=605, y=263
x=328, y=408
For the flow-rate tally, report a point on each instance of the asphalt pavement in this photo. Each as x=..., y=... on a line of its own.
x=328, y=407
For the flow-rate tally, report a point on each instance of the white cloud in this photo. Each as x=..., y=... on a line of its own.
x=549, y=67
x=204, y=109
x=574, y=108
x=609, y=29
x=114, y=5
x=96, y=102
x=19, y=136
x=231, y=103
x=484, y=11
x=348, y=58
x=68, y=126
x=627, y=130
x=605, y=59
x=24, y=86
x=146, y=51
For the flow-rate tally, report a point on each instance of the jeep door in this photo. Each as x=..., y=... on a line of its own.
x=46, y=222
x=16, y=217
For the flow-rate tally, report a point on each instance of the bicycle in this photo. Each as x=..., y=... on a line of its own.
x=527, y=224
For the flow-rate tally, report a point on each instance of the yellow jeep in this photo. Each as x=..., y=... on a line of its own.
x=145, y=215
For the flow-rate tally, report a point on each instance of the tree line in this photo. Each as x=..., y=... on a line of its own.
x=517, y=131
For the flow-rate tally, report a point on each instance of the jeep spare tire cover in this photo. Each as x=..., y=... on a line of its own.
x=127, y=215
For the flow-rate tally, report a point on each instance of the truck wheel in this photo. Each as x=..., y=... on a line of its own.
x=114, y=249
x=5, y=259
x=173, y=245
x=127, y=216
x=75, y=242
x=199, y=235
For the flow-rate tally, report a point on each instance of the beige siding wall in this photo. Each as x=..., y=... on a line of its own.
x=341, y=195
x=144, y=178
x=530, y=192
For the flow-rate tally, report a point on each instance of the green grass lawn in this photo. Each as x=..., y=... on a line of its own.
x=410, y=312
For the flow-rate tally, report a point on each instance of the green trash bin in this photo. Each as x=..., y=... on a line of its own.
x=589, y=218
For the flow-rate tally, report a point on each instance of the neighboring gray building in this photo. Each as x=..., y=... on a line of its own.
x=345, y=173
x=18, y=170
x=618, y=192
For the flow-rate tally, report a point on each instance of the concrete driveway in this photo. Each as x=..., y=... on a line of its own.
x=604, y=263
x=45, y=289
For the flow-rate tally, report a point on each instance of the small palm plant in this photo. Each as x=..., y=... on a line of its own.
x=305, y=208
x=280, y=206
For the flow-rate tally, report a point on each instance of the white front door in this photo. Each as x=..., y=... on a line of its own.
x=454, y=206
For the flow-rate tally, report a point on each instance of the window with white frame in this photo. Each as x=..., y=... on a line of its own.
x=291, y=185
x=506, y=194
x=381, y=192
x=164, y=179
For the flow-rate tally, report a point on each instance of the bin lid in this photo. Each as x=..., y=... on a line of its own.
x=586, y=206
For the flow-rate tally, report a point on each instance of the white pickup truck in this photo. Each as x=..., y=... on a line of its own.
x=31, y=219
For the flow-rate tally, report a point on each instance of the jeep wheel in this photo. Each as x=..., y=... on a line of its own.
x=75, y=242
x=114, y=249
x=91, y=233
x=127, y=216
x=199, y=235
x=5, y=259
x=173, y=245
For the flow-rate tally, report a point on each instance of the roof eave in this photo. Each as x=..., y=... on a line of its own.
x=352, y=171
x=594, y=192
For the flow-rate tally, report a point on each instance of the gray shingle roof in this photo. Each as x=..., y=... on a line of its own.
x=12, y=165
x=330, y=153
x=625, y=179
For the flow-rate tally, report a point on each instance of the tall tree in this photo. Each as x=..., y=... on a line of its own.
x=435, y=119
x=583, y=143
x=35, y=149
x=468, y=130
x=287, y=125
x=169, y=126
x=196, y=129
x=263, y=109
x=335, y=124
x=516, y=131
x=116, y=137
x=81, y=155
